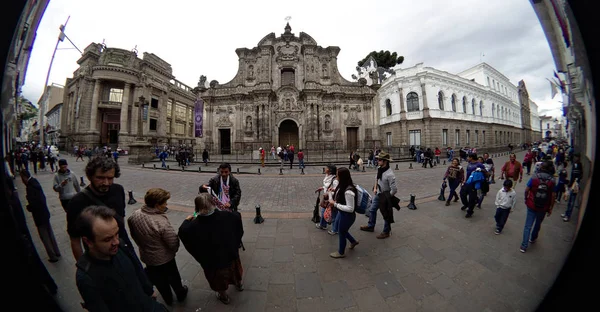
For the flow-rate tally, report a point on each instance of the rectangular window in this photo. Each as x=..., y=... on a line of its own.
x=179, y=128
x=153, y=124
x=389, y=138
x=116, y=95
x=415, y=137
x=468, y=137
x=476, y=137
x=180, y=111
x=154, y=103
x=488, y=80
x=169, y=108
x=457, y=137
x=444, y=137
x=288, y=77
x=483, y=136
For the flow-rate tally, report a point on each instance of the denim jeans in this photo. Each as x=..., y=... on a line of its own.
x=532, y=217
x=346, y=220
x=570, y=204
x=335, y=216
x=453, y=184
x=301, y=163
x=501, y=218
x=163, y=164
x=373, y=215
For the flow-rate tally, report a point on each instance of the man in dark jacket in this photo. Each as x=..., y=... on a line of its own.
x=41, y=216
x=225, y=187
x=108, y=277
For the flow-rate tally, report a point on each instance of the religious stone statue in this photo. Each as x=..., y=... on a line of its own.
x=251, y=71
x=249, y=123
x=325, y=74
x=288, y=105
x=202, y=82
x=327, y=123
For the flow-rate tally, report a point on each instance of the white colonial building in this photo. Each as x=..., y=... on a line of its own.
x=478, y=107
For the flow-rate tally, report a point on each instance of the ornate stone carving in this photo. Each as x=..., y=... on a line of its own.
x=214, y=84
x=287, y=53
x=288, y=102
x=352, y=119
x=327, y=124
x=202, y=82
x=223, y=119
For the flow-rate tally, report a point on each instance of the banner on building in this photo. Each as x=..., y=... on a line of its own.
x=198, y=114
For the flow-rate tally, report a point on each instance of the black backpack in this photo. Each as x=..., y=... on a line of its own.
x=542, y=193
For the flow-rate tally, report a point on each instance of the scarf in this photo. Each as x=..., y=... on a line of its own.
x=224, y=193
x=381, y=170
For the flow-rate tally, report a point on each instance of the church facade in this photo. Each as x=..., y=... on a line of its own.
x=288, y=91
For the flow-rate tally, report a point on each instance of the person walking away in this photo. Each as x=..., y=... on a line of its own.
x=163, y=158
x=513, y=170
x=506, y=199
x=42, y=159
x=484, y=186
x=428, y=158
x=262, y=156
x=468, y=191
x=386, y=182
x=36, y=204
x=344, y=201
x=455, y=175
x=281, y=159
x=34, y=160
x=330, y=183
x=25, y=160
x=437, y=153
x=575, y=179
x=205, y=157
x=101, y=191
x=539, y=199
x=291, y=158
x=213, y=238
x=370, y=159
x=561, y=186
x=65, y=184
x=158, y=244
x=301, y=159
x=51, y=161
x=108, y=276
x=273, y=152
x=527, y=160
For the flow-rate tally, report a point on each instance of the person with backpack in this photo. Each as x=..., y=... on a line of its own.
x=476, y=173
x=344, y=201
x=539, y=199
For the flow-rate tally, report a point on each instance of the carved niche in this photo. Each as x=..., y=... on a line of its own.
x=223, y=119
x=352, y=120
x=327, y=128
x=288, y=102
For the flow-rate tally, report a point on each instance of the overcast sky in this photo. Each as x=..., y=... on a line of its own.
x=200, y=37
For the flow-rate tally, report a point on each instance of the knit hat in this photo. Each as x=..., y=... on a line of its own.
x=62, y=162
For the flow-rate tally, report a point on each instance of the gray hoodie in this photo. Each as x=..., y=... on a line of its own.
x=68, y=190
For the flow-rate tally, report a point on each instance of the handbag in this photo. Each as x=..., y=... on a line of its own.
x=327, y=214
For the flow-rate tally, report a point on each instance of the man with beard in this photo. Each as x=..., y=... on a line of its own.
x=225, y=187
x=109, y=277
x=101, y=191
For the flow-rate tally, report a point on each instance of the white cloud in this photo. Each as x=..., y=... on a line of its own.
x=200, y=37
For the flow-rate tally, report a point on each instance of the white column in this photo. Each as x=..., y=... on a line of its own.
x=94, y=112
x=125, y=109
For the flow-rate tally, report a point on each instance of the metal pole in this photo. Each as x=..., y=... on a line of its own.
x=45, y=95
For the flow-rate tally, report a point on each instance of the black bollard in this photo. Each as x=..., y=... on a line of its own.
x=182, y=168
x=238, y=170
x=410, y=167
x=323, y=170
x=411, y=205
x=444, y=162
x=363, y=168
x=168, y=168
x=280, y=171
x=258, y=219
x=396, y=167
x=302, y=171
x=143, y=165
x=154, y=166
x=131, y=199
x=82, y=183
x=259, y=171
x=199, y=169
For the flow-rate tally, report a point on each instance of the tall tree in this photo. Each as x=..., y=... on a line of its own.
x=385, y=59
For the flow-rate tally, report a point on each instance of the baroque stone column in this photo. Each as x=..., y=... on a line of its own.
x=402, y=110
x=94, y=111
x=125, y=109
x=424, y=93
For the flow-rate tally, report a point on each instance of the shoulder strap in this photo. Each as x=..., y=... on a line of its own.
x=93, y=197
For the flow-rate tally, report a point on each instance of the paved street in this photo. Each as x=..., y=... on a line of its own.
x=436, y=260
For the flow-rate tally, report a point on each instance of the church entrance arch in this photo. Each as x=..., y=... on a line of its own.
x=288, y=133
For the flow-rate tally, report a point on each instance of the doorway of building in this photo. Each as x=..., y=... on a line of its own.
x=288, y=133
x=225, y=141
x=352, y=137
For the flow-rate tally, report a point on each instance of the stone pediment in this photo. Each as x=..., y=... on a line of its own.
x=288, y=52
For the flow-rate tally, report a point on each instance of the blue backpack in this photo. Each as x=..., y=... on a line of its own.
x=363, y=200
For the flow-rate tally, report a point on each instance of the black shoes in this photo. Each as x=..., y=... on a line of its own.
x=463, y=208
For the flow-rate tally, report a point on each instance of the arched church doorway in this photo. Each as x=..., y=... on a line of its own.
x=288, y=133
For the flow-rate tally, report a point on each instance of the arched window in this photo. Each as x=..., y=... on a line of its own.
x=480, y=108
x=441, y=100
x=412, y=102
x=464, y=105
x=388, y=107
x=493, y=110
x=473, y=106
x=453, y=102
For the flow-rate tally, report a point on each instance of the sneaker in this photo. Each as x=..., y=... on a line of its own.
x=469, y=215
x=558, y=201
x=497, y=232
x=562, y=215
x=531, y=241
x=336, y=255
x=331, y=232
x=463, y=207
x=522, y=250
x=318, y=226
x=367, y=228
x=566, y=219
